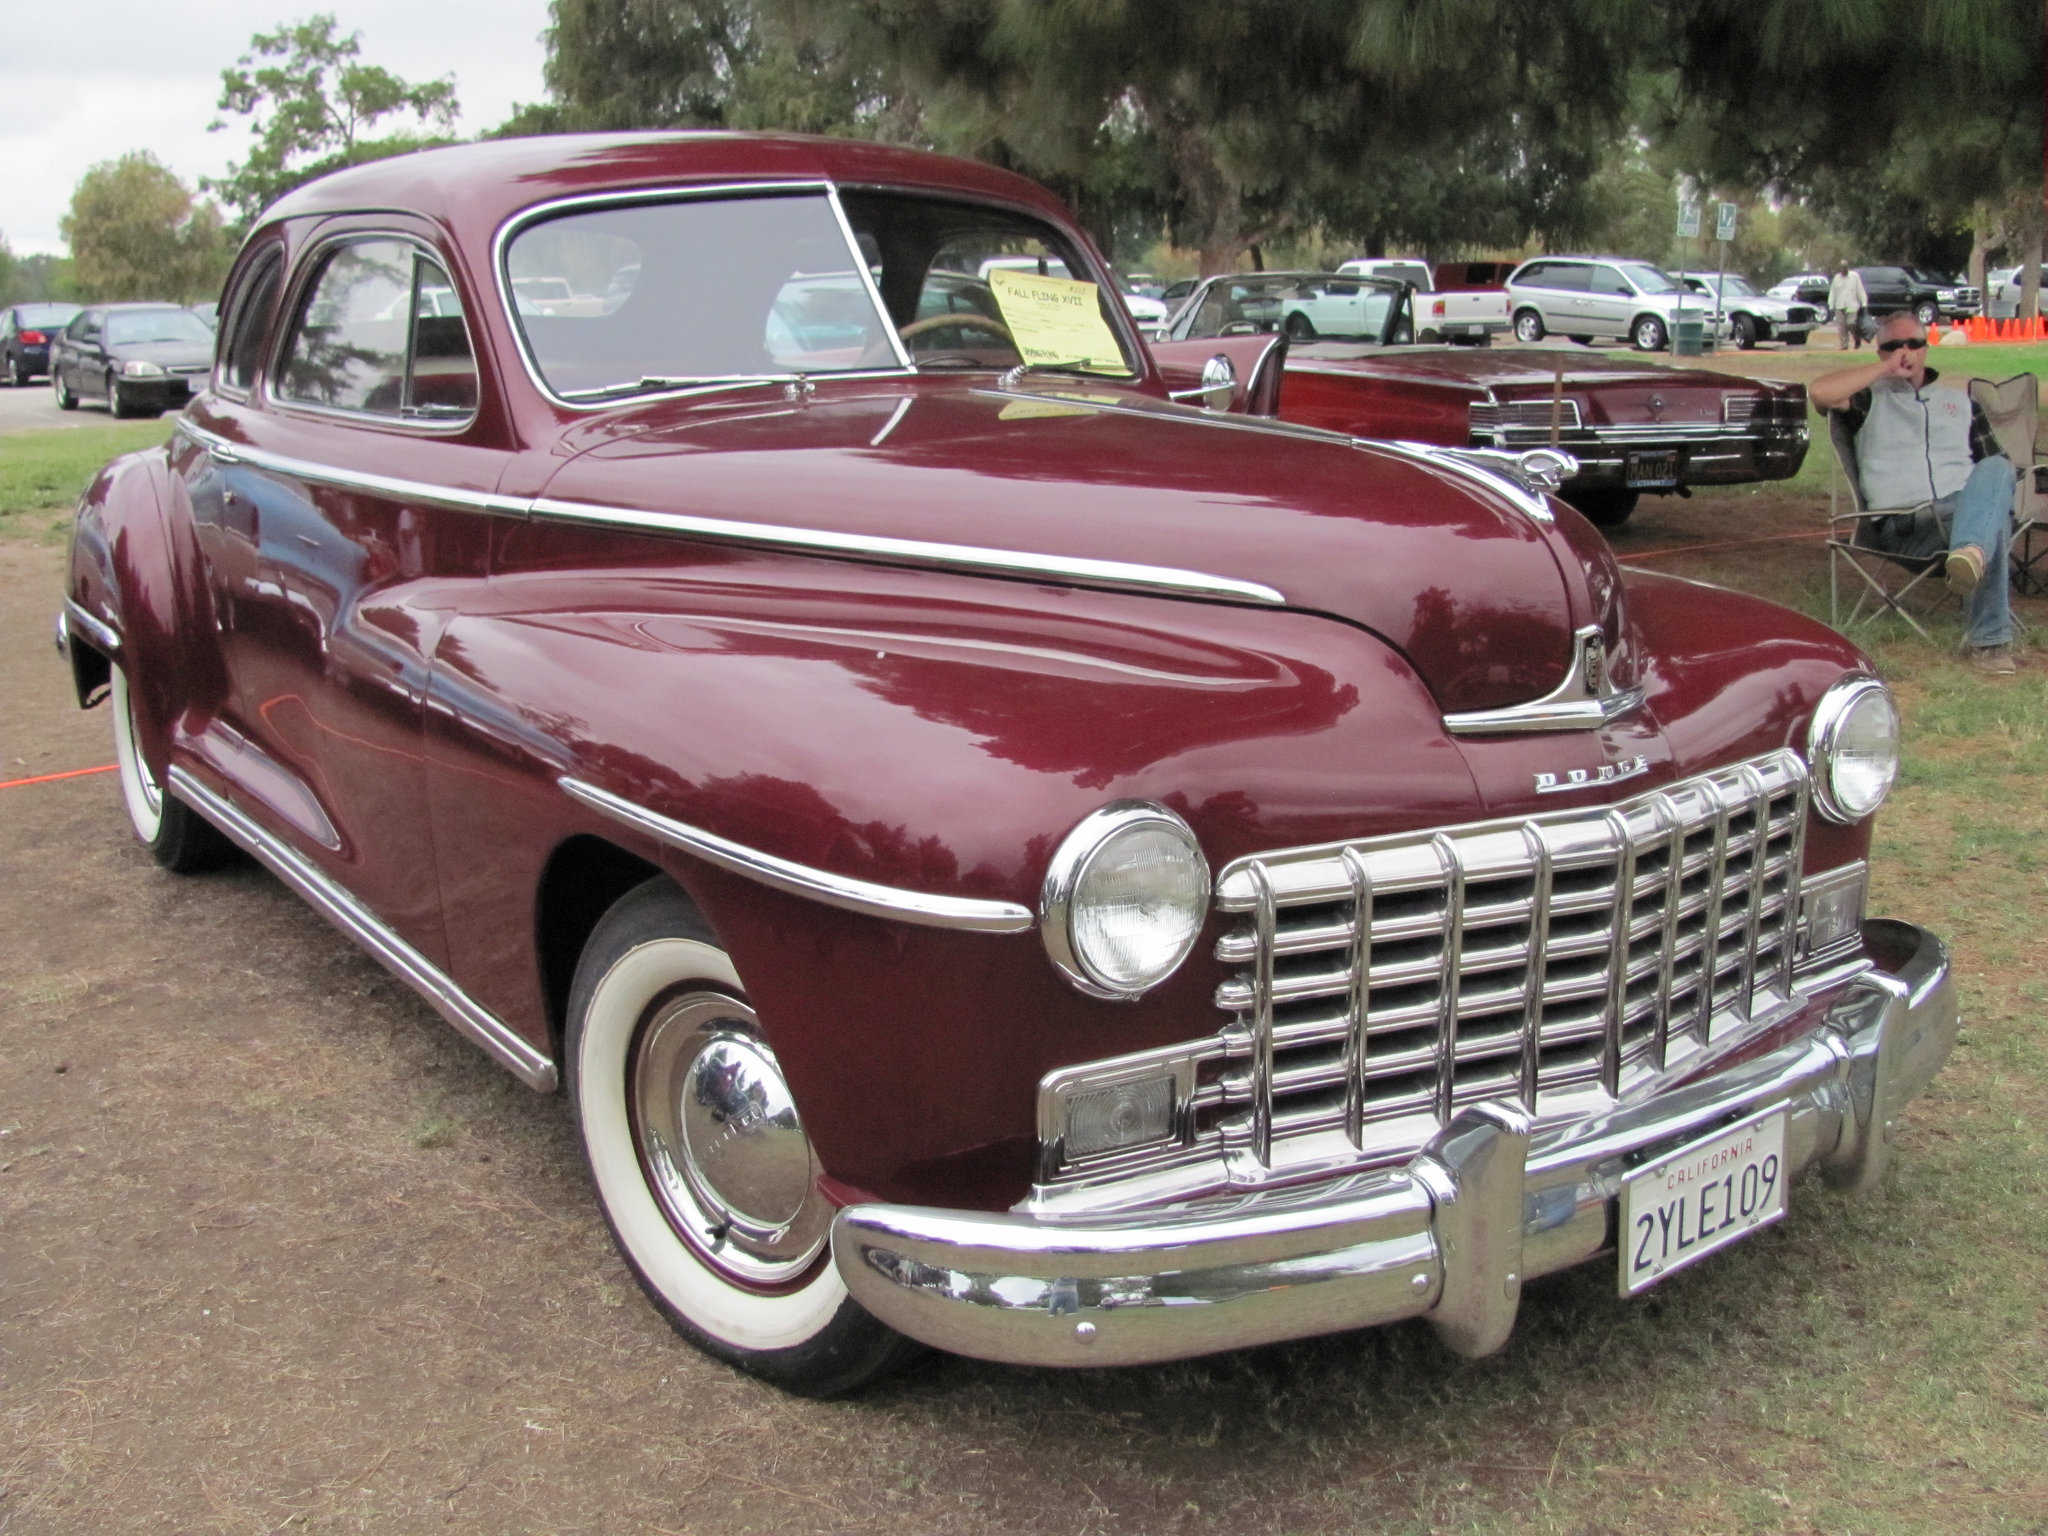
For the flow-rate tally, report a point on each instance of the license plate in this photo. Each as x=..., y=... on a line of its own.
x=1700, y=1198
x=1652, y=469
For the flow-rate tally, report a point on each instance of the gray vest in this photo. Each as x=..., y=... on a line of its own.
x=1914, y=446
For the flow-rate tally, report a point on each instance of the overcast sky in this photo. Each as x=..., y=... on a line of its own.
x=83, y=81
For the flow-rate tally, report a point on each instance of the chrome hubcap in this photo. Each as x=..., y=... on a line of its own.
x=720, y=1140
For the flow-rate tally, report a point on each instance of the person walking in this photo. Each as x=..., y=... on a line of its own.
x=1848, y=298
x=1931, y=453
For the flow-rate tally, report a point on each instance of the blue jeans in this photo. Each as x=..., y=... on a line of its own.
x=1980, y=514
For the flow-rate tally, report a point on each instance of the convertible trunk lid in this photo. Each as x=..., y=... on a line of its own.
x=1481, y=596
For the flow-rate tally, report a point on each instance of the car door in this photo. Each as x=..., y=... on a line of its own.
x=1564, y=297
x=1610, y=301
x=351, y=565
x=85, y=354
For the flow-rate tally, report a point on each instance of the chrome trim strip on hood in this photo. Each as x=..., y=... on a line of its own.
x=1115, y=575
x=963, y=913
x=1585, y=700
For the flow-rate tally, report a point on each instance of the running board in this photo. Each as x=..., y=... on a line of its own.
x=349, y=915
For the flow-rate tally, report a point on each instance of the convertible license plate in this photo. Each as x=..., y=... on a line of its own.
x=1700, y=1198
x=1651, y=469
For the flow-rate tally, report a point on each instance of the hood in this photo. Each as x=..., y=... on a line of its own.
x=165, y=354
x=1478, y=594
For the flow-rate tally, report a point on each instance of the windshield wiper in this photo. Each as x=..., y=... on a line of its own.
x=1015, y=375
x=652, y=382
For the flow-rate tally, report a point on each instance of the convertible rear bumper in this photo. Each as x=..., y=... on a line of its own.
x=1450, y=1236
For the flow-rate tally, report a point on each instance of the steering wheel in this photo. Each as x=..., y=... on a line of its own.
x=968, y=319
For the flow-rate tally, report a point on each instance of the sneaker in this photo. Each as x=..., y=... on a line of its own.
x=1992, y=660
x=1965, y=569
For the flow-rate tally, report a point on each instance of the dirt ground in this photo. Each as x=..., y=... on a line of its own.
x=278, y=1251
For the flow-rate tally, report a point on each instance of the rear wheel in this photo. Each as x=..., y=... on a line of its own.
x=1604, y=506
x=1795, y=339
x=1648, y=334
x=177, y=836
x=700, y=1159
x=1300, y=328
x=1528, y=326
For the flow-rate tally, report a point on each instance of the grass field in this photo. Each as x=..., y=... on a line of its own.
x=42, y=474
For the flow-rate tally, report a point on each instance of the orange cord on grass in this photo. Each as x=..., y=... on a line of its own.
x=50, y=778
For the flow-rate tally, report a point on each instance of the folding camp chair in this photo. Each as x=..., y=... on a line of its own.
x=2013, y=407
x=1891, y=583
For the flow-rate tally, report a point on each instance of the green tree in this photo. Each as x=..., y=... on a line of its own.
x=136, y=233
x=311, y=105
x=7, y=266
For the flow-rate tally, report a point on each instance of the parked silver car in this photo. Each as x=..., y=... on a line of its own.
x=1590, y=297
x=1751, y=316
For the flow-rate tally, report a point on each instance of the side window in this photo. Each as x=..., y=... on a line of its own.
x=1569, y=276
x=240, y=349
x=1610, y=282
x=381, y=331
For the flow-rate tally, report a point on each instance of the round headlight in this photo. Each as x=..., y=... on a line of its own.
x=1853, y=749
x=1124, y=898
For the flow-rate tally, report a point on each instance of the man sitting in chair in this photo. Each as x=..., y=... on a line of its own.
x=1930, y=451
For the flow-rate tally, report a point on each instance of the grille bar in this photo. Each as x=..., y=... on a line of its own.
x=1570, y=952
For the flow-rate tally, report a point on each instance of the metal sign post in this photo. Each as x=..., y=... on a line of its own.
x=1688, y=229
x=1724, y=231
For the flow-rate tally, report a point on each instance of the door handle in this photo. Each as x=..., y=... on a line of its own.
x=220, y=453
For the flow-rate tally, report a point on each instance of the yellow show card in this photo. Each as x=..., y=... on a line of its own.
x=1056, y=322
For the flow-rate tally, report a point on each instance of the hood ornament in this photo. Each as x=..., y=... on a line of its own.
x=1585, y=700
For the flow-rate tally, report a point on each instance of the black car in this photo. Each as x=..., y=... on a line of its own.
x=142, y=359
x=1955, y=294
x=1891, y=289
x=25, y=332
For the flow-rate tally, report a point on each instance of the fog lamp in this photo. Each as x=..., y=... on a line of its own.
x=1124, y=898
x=1125, y=1115
x=1853, y=749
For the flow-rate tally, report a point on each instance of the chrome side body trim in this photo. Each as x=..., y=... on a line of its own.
x=964, y=913
x=1451, y=1235
x=1118, y=575
x=227, y=452
x=335, y=904
x=1584, y=701
x=96, y=629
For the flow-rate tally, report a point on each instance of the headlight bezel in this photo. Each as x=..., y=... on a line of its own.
x=1068, y=869
x=1831, y=718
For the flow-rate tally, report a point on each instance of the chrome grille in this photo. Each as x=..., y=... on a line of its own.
x=1400, y=978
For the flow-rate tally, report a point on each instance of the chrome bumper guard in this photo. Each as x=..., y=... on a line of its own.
x=1449, y=1237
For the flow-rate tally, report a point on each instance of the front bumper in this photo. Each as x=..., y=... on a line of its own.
x=1450, y=1236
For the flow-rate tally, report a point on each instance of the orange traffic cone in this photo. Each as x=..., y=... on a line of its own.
x=1934, y=334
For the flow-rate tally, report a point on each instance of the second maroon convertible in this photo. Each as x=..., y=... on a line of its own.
x=993, y=856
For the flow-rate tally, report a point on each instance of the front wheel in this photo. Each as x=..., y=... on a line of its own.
x=701, y=1163
x=177, y=836
x=66, y=401
x=1528, y=326
x=1927, y=311
x=1795, y=339
x=1648, y=334
x=1604, y=506
x=1743, y=329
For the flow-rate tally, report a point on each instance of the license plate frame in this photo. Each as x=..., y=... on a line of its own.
x=1704, y=1187
x=1643, y=470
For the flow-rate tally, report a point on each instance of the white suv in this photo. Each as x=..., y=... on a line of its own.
x=1588, y=297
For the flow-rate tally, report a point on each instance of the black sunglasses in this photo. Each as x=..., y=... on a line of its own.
x=1912, y=343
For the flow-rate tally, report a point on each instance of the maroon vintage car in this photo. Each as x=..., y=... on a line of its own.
x=1632, y=427
x=993, y=856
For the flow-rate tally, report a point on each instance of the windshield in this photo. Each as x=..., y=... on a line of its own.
x=1649, y=279
x=141, y=327
x=1307, y=305
x=45, y=317
x=648, y=296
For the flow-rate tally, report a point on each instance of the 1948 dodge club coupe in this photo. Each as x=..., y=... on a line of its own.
x=993, y=856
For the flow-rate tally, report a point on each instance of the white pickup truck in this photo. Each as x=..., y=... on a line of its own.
x=1461, y=301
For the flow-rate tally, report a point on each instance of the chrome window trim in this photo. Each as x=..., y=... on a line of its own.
x=673, y=192
x=867, y=278
x=1112, y=575
x=966, y=914
x=1063, y=874
x=339, y=907
x=225, y=451
x=274, y=252
x=312, y=263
